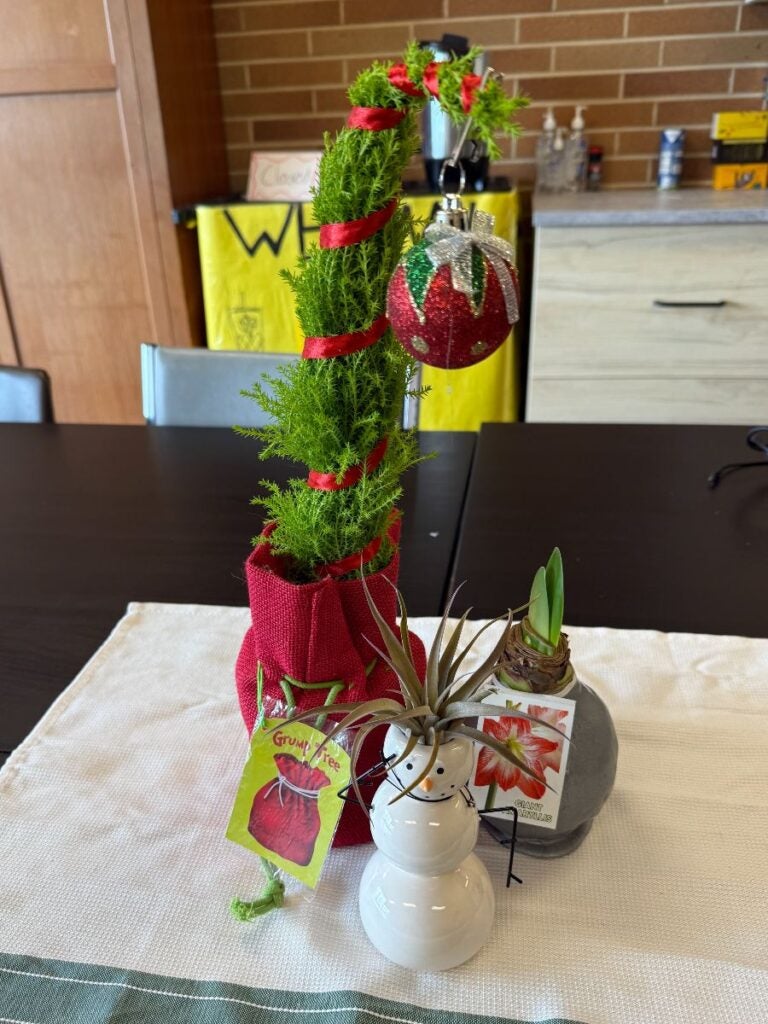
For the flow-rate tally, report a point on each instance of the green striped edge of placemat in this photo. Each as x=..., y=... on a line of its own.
x=35, y=991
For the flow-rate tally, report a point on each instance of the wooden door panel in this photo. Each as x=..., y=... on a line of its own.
x=39, y=32
x=90, y=261
x=57, y=78
x=8, y=354
x=70, y=251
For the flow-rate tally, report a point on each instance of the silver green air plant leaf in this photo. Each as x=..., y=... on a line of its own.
x=438, y=708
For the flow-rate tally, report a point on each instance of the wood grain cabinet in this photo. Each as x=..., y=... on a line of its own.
x=650, y=324
x=109, y=117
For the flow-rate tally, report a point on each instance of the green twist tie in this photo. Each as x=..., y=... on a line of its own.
x=272, y=898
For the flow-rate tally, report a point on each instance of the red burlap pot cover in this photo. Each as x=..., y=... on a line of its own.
x=315, y=632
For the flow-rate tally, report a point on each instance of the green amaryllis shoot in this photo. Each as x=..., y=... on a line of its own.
x=537, y=657
x=545, y=609
x=445, y=704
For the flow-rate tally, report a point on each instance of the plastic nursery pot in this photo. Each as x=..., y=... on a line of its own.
x=591, y=765
x=307, y=635
x=426, y=901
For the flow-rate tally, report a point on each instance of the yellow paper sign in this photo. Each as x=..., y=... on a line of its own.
x=249, y=306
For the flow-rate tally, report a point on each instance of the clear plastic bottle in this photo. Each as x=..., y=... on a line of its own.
x=544, y=154
x=576, y=154
x=558, y=165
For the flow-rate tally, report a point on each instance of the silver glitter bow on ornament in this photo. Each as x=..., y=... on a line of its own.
x=453, y=246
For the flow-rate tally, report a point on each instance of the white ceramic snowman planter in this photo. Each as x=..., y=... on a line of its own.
x=426, y=900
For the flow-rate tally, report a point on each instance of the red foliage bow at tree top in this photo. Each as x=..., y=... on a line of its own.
x=398, y=76
x=333, y=407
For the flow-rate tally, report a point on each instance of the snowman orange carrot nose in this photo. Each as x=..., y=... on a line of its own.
x=426, y=785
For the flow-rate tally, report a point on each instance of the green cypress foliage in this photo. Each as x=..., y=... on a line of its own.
x=329, y=413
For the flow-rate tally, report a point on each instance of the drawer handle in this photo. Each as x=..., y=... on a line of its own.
x=717, y=304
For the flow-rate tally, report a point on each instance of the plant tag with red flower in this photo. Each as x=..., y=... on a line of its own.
x=499, y=783
x=288, y=805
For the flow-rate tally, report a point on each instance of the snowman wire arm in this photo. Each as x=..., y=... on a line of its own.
x=366, y=779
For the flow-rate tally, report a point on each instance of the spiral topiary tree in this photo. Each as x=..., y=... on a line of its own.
x=338, y=409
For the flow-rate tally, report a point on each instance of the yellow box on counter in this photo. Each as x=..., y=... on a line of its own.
x=248, y=305
x=748, y=125
x=741, y=176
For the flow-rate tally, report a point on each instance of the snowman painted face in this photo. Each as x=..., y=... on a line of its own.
x=448, y=774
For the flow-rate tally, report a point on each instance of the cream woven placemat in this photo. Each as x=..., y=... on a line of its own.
x=112, y=849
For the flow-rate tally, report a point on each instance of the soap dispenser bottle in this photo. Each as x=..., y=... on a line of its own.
x=558, y=166
x=545, y=151
x=576, y=154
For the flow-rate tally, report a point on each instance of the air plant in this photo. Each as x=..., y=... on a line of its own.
x=437, y=709
x=537, y=657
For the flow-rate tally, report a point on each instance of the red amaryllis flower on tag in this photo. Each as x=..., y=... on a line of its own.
x=555, y=717
x=516, y=735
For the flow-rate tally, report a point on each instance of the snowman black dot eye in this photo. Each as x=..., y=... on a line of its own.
x=409, y=767
x=440, y=771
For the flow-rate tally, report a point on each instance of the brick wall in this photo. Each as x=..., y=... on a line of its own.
x=638, y=65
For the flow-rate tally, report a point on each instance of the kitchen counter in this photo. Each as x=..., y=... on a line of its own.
x=649, y=207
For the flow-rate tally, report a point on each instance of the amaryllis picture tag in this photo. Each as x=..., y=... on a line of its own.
x=288, y=805
x=497, y=783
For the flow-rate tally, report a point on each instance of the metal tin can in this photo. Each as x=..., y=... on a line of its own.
x=671, y=144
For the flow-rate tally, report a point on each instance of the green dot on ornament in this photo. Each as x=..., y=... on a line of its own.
x=419, y=344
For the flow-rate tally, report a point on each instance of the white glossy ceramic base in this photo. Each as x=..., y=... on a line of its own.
x=423, y=836
x=426, y=923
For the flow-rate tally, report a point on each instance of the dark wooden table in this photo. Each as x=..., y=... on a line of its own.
x=646, y=543
x=94, y=517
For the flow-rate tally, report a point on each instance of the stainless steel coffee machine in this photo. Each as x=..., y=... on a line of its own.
x=440, y=134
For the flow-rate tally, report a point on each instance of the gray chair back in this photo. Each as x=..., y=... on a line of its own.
x=195, y=387
x=25, y=395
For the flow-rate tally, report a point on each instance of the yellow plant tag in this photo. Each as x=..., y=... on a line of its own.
x=288, y=805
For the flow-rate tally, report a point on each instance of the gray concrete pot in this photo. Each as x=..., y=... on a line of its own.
x=589, y=775
x=591, y=765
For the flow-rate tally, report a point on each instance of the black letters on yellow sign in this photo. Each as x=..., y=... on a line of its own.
x=296, y=212
x=293, y=211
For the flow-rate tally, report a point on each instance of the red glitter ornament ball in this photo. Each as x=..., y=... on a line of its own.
x=440, y=325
